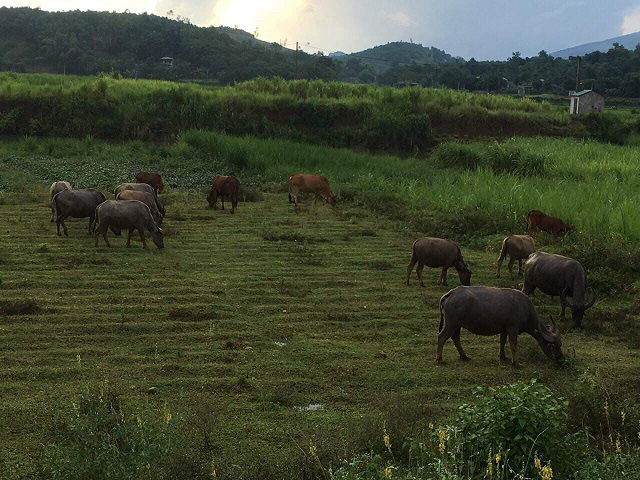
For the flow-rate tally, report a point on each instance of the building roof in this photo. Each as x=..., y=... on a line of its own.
x=583, y=92
x=166, y=58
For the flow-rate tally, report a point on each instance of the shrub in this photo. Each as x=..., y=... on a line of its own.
x=19, y=307
x=521, y=421
x=97, y=438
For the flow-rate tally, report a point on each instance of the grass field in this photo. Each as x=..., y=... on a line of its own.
x=249, y=317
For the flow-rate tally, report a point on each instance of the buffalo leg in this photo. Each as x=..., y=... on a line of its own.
x=222, y=199
x=234, y=202
x=443, y=276
x=511, y=262
x=95, y=236
x=564, y=306
x=443, y=336
x=456, y=340
x=412, y=263
x=129, y=237
x=513, y=343
x=61, y=222
x=503, y=342
x=91, y=219
x=519, y=266
x=419, y=272
x=144, y=242
x=215, y=200
x=500, y=260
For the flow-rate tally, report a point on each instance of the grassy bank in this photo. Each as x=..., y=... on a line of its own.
x=333, y=114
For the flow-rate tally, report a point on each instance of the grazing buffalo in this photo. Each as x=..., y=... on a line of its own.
x=494, y=311
x=221, y=186
x=438, y=253
x=151, y=178
x=517, y=247
x=140, y=187
x=311, y=183
x=127, y=215
x=56, y=187
x=76, y=204
x=145, y=197
x=560, y=276
x=546, y=223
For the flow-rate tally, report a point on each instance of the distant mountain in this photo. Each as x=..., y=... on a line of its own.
x=383, y=57
x=337, y=54
x=629, y=41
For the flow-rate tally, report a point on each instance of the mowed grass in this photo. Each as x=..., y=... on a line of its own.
x=249, y=317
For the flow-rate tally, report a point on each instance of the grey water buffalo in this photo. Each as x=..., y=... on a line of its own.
x=127, y=215
x=145, y=197
x=151, y=178
x=494, y=311
x=56, y=188
x=517, y=247
x=221, y=186
x=546, y=223
x=438, y=253
x=76, y=204
x=141, y=187
x=311, y=183
x=560, y=276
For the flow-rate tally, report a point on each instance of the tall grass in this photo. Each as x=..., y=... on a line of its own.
x=332, y=114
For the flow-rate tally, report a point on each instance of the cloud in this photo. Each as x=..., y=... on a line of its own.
x=402, y=19
x=631, y=21
x=560, y=11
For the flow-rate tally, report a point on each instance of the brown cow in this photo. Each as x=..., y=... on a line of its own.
x=311, y=183
x=438, y=253
x=223, y=185
x=546, y=223
x=151, y=178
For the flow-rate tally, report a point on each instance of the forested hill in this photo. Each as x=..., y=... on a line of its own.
x=382, y=57
x=77, y=42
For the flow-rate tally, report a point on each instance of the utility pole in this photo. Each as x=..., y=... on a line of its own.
x=578, y=74
x=296, y=60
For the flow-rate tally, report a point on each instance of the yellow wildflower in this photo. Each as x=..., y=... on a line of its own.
x=313, y=450
x=168, y=417
x=430, y=426
x=498, y=458
x=537, y=463
x=139, y=421
x=490, y=469
x=623, y=416
x=442, y=436
x=387, y=441
x=387, y=472
x=618, y=445
x=78, y=359
x=546, y=473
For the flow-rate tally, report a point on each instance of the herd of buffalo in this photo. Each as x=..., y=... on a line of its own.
x=479, y=309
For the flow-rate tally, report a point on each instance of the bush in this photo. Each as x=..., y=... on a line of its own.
x=95, y=438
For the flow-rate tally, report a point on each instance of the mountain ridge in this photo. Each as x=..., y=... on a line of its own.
x=629, y=41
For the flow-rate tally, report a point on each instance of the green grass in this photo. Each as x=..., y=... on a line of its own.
x=333, y=114
x=200, y=320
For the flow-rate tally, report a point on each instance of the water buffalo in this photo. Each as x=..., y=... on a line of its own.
x=438, y=253
x=56, y=187
x=221, y=186
x=494, y=311
x=127, y=215
x=518, y=247
x=311, y=183
x=145, y=197
x=141, y=187
x=154, y=179
x=76, y=204
x=546, y=223
x=560, y=276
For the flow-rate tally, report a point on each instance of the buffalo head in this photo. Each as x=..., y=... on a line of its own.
x=577, y=309
x=548, y=337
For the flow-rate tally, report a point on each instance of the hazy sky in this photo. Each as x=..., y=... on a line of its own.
x=484, y=29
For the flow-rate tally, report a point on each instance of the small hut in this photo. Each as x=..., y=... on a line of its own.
x=586, y=101
x=167, y=61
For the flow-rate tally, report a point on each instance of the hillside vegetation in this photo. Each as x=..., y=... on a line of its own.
x=333, y=114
